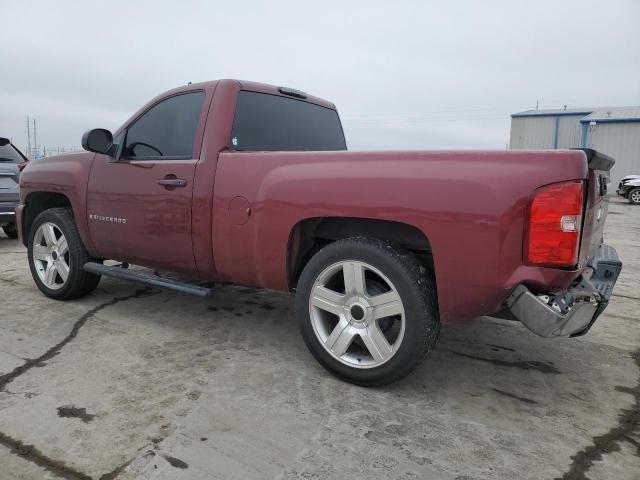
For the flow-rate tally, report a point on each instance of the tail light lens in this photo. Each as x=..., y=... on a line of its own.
x=555, y=221
x=22, y=164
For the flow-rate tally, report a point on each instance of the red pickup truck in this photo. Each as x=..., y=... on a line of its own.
x=240, y=182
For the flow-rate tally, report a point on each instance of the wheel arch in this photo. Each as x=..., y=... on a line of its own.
x=311, y=234
x=38, y=202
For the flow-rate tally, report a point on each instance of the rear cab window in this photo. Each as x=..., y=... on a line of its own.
x=265, y=122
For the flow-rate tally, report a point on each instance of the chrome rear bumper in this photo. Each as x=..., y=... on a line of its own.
x=573, y=312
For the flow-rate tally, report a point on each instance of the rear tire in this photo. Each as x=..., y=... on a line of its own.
x=57, y=256
x=357, y=333
x=10, y=230
x=634, y=196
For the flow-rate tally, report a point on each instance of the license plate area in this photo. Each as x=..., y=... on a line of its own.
x=606, y=267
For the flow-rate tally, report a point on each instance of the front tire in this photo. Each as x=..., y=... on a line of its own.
x=367, y=310
x=634, y=196
x=57, y=256
x=11, y=231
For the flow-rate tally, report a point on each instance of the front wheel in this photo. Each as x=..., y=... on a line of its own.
x=367, y=310
x=634, y=196
x=57, y=256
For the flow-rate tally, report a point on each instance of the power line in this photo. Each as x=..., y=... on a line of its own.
x=443, y=115
x=437, y=112
x=410, y=121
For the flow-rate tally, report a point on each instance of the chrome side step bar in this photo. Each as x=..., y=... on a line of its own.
x=147, y=279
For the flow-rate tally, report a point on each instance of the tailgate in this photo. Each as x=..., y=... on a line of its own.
x=597, y=203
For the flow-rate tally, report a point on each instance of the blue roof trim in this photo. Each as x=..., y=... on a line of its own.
x=549, y=114
x=611, y=120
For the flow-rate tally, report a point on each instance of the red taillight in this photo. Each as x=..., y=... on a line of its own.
x=22, y=164
x=555, y=220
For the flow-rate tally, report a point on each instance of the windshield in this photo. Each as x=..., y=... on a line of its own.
x=9, y=153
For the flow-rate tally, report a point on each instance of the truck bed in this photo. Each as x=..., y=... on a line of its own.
x=471, y=206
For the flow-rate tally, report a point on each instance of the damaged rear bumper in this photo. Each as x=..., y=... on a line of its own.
x=573, y=312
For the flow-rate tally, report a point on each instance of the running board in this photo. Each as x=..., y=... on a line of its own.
x=147, y=279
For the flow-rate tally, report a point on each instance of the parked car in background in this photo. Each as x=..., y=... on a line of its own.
x=622, y=186
x=629, y=187
x=12, y=161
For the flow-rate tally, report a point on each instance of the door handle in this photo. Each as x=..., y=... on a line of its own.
x=172, y=182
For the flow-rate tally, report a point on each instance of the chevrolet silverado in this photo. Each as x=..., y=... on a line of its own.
x=250, y=184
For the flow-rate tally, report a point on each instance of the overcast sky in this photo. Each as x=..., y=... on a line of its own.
x=404, y=74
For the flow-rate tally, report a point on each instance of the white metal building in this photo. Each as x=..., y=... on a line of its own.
x=614, y=131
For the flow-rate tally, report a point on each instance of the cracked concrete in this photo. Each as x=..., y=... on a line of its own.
x=127, y=384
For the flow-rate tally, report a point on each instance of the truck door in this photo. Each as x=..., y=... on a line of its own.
x=139, y=205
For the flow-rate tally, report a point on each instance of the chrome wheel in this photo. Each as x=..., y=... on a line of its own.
x=51, y=256
x=635, y=196
x=357, y=314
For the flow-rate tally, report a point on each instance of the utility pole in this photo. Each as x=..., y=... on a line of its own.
x=28, y=138
x=35, y=139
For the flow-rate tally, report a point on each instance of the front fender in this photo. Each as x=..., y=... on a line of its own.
x=65, y=175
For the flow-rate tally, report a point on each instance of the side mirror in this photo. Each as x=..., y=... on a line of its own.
x=98, y=140
x=4, y=141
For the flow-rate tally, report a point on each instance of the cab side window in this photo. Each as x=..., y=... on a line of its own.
x=167, y=130
x=265, y=122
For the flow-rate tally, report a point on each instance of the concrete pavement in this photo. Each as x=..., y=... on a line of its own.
x=133, y=383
